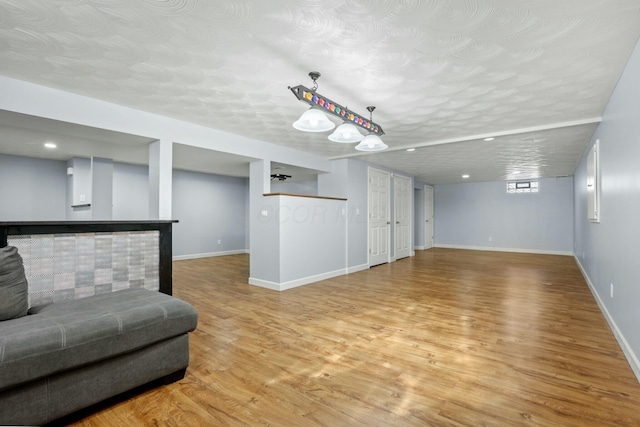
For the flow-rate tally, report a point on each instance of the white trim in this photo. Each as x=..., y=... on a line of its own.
x=488, y=248
x=413, y=253
x=626, y=348
x=418, y=248
x=210, y=254
x=357, y=268
x=295, y=283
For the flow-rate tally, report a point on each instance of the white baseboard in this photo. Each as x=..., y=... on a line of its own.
x=487, y=248
x=210, y=254
x=418, y=248
x=295, y=283
x=357, y=268
x=626, y=348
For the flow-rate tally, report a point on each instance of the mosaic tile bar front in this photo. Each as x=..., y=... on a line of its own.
x=63, y=267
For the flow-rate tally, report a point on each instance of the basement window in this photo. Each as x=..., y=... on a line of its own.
x=514, y=187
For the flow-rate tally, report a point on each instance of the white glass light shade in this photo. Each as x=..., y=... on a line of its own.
x=313, y=120
x=346, y=133
x=371, y=142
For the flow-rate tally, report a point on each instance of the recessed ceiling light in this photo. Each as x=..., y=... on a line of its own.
x=515, y=173
x=489, y=139
x=50, y=145
x=465, y=176
x=411, y=149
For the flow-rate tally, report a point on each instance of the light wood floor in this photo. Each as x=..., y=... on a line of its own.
x=446, y=338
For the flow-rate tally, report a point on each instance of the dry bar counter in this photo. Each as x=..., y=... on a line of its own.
x=49, y=238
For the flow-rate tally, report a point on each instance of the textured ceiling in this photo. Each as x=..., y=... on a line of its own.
x=441, y=73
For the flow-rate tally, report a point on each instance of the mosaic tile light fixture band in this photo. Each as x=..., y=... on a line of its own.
x=63, y=267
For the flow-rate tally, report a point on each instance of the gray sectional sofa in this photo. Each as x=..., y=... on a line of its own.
x=66, y=356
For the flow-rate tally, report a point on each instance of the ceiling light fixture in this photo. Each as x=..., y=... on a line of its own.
x=411, y=149
x=315, y=119
x=465, y=176
x=346, y=133
x=489, y=139
x=50, y=145
x=371, y=142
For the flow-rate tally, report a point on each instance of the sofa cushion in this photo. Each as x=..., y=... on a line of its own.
x=61, y=336
x=13, y=284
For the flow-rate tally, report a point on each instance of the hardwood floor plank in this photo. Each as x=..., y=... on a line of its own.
x=445, y=338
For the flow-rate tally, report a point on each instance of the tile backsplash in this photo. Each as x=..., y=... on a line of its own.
x=69, y=266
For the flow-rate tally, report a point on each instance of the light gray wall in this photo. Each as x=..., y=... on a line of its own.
x=358, y=233
x=348, y=179
x=102, y=189
x=209, y=208
x=483, y=215
x=247, y=218
x=312, y=237
x=130, y=192
x=79, y=190
x=32, y=189
x=607, y=251
x=309, y=188
x=334, y=184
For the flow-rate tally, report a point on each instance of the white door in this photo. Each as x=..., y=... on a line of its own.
x=402, y=192
x=378, y=217
x=428, y=214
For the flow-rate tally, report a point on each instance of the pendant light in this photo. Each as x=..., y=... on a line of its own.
x=316, y=119
x=346, y=133
x=371, y=142
x=313, y=120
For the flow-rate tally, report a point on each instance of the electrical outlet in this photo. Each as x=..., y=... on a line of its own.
x=611, y=285
x=490, y=239
x=219, y=241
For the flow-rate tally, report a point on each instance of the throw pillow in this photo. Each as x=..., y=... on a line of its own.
x=14, y=300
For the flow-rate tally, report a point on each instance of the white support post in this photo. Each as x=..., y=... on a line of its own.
x=160, y=176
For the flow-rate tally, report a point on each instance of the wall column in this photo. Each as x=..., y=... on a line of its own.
x=160, y=176
x=264, y=228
